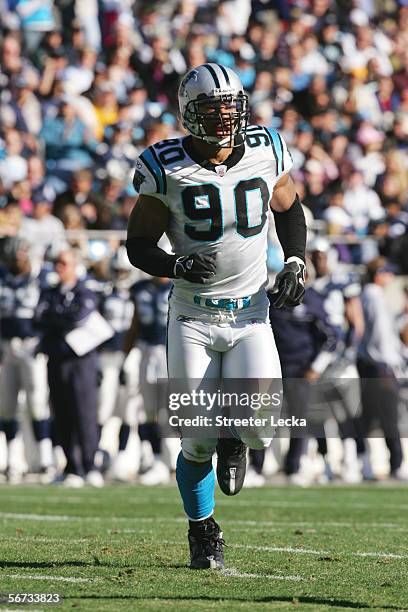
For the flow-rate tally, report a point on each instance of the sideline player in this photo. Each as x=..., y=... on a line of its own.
x=23, y=369
x=210, y=192
x=148, y=333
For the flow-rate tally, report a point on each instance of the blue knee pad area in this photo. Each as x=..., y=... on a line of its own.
x=196, y=485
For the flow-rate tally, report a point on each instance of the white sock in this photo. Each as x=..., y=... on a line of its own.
x=349, y=452
x=46, y=454
x=14, y=456
x=366, y=466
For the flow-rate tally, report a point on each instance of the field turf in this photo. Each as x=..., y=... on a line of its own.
x=125, y=548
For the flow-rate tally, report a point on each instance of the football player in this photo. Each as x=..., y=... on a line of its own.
x=116, y=307
x=23, y=369
x=211, y=192
x=148, y=330
x=340, y=291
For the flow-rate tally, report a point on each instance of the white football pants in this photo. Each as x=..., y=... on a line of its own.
x=23, y=370
x=115, y=399
x=209, y=343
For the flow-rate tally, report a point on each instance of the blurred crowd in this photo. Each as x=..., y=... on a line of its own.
x=84, y=88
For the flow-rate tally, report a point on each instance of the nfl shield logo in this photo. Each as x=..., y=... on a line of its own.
x=221, y=170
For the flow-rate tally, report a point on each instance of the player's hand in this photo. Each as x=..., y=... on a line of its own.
x=289, y=287
x=196, y=268
x=311, y=375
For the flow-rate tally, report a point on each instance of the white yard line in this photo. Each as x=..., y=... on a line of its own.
x=45, y=517
x=306, y=551
x=234, y=573
x=51, y=499
x=245, y=523
x=230, y=572
x=53, y=578
x=46, y=540
x=55, y=498
x=283, y=504
x=277, y=525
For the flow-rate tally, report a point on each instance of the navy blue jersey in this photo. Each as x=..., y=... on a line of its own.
x=303, y=333
x=19, y=297
x=59, y=311
x=151, y=303
x=336, y=289
x=116, y=306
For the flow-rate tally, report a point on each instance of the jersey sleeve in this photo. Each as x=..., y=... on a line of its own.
x=281, y=155
x=150, y=177
x=348, y=284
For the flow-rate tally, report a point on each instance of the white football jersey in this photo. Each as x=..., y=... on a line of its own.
x=219, y=209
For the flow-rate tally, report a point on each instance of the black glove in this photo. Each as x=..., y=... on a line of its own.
x=196, y=268
x=289, y=287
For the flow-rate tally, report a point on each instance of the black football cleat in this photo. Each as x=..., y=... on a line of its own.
x=206, y=545
x=231, y=465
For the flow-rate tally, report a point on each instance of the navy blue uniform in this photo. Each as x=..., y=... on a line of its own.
x=302, y=333
x=335, y=289
x=60, y=311
x=72, y=379
x=19, y=297
x=116, y=307
x=22, y=368
x=151, y=302
x=305, y=337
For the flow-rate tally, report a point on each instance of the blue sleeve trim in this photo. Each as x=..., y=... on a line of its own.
x=162, y=171
x=154, y=169
x=277, y=146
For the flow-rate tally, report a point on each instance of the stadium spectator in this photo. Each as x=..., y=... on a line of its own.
x=36, y=18
x=68, y=144
x=43, y=231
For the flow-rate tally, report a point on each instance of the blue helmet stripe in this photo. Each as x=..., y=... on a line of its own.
x=225, y=73
x=213, y=74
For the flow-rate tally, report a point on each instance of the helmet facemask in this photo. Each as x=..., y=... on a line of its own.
x=218, y=119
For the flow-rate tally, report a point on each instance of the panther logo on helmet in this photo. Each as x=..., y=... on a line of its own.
x=192, y=75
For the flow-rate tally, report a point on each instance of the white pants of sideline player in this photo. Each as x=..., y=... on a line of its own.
x=240, y=345
x=23, y=370
x=114, y=399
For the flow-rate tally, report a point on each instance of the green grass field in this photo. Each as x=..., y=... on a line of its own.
x=125, y=548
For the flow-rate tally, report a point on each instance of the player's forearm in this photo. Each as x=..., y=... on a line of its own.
x=147, y=256
x=291, y=230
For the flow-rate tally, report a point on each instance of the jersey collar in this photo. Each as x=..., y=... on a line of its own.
x=235, y=157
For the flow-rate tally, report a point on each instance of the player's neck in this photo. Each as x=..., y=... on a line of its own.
x=212, y=153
